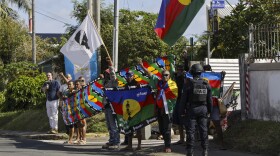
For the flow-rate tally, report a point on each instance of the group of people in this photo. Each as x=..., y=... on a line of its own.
x=56, y=94
x=190, y=108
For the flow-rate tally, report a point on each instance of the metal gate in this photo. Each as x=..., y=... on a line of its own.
x=264, y=42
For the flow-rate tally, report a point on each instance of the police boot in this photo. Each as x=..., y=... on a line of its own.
x=205, y=153
x=189, y=154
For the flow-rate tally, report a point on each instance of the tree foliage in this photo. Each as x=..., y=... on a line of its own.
x=233, y=36
x=7, y=11
x=16, y=43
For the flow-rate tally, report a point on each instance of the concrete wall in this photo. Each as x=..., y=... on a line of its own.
x=265, y=91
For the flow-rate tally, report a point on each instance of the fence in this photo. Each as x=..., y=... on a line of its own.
x=264, y=42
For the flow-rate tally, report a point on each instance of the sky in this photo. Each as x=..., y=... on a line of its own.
x=52, y=15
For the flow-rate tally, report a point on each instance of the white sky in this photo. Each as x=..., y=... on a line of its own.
x=61, y=11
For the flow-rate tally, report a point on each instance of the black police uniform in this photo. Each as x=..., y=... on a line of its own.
x=198, y=103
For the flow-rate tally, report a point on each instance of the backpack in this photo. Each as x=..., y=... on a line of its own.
x=198, y=91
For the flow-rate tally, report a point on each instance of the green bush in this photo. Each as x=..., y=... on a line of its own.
x=24, y=93
x=2, y=98
x=20, y=85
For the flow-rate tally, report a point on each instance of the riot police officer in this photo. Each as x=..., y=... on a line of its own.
x=197, y=102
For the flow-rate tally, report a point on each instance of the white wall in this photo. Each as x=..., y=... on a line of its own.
x=265, y=91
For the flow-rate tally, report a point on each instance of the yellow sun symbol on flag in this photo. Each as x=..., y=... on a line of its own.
x=120, y=83
x=137, y=78
x=205, y=79
x=130, y=108
x=152, y=70
x=185, y=2
x=92, y=98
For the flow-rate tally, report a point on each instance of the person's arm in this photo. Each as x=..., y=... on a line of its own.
x=59, y=94
x=44, y=87
x=111, y=69
x=183, y=102
x=223, y=73
x=62, y=75
x=145, y=69
x=57, y=85
x=209, y=99
x=186, y=61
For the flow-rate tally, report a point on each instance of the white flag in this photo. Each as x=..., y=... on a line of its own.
x=80, y=51
x=83, y=43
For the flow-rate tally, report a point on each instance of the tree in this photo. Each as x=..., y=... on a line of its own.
x=5, y=10
x=15, y=43
x=233, y=36
x=13, y=36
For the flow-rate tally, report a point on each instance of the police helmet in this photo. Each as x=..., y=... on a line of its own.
x=196, y=69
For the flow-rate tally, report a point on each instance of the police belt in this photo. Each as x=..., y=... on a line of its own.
x=198, y=104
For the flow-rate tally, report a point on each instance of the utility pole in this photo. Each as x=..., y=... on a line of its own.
x=116, y=34
x=94, y=11
x=209, y=38
x=33, y=33
x=90, y=10
x=208, y=48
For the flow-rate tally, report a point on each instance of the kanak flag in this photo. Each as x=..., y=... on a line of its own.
x=174, y=18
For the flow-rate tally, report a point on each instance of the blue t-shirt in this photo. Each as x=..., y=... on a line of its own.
x=52, y=91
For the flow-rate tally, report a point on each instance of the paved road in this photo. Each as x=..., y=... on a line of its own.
x=15, y=146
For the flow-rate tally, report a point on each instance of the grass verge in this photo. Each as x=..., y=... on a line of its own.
x=37, y=120
x=254, y=136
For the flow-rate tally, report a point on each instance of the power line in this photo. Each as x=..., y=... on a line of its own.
x=52, y=18
x=54, y=15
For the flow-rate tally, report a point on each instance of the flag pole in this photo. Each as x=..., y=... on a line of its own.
x=100, y=37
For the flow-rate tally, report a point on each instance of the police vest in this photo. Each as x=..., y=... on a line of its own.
x=199, y=91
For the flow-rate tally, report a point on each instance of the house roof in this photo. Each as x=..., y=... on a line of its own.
x=57, y=36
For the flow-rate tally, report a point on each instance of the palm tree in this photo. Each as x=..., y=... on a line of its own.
x=5, y=10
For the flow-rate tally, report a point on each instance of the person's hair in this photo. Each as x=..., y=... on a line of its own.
x=69, y=75
x=207, y=67
x=165, y=71
x=70, y=82
x=48, y=73
x=78, y=81
x=81, y=77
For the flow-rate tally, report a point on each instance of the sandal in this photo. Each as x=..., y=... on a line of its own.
x=76, y=141
x=82, y=142
x=67, y=142
x=167, y=150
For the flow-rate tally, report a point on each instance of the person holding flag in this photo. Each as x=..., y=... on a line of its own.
x=166, y=95
x=132, y=82
x=110, y=80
